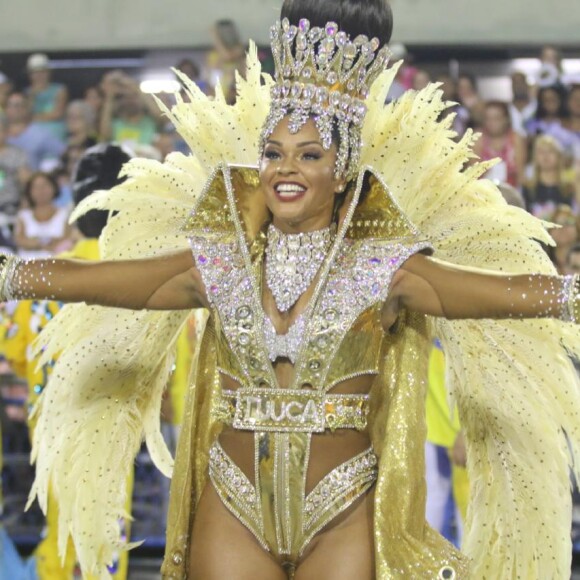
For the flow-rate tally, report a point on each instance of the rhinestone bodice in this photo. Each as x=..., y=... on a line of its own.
x=347, y=308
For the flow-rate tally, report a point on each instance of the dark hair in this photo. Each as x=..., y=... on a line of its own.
x=541, y=112
x=37, y=175
x=97, y=169
x=369, y=17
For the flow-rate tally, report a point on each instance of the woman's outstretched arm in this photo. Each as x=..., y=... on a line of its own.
x=166, y=283
x=431, y=287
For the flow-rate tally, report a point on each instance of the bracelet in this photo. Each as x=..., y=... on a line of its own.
x=570, y=298
x=8, y=266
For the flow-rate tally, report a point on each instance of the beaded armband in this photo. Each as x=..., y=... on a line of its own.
x=8, y=266
x=570, y=297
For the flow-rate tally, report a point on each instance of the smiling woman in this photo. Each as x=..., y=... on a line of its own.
x=299, y=180
x=301, y=454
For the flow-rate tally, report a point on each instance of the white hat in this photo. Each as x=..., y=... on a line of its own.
x=37, y=61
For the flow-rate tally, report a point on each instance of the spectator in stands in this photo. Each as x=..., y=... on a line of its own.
x=47, y=99
x=468, y=97
x=550, y=113
x=40, y=145
x=572, y=122
x=42, y=229
x=64, y=175
x=551, y=185
x=127, y=115
x=94, y=98
x=566, y=236
x=5, y=89
x=81, y=125
x=498, y=139
x=191, y=70
x=227, y=57
x=14, y=173
x=421, y=79
x=449, y=88
x=551, y=71
x=523, y=106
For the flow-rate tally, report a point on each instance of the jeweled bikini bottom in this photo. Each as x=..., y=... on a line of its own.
x=275, y=507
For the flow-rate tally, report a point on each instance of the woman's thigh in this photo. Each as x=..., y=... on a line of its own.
x=222, y=547
x=344, y=551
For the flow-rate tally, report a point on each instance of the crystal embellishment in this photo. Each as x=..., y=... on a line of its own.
x=324, y=58
x=292, y=261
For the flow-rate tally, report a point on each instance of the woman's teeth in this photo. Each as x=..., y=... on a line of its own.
x=289, y=189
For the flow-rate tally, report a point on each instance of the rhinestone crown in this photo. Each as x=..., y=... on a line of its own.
x=321, y=73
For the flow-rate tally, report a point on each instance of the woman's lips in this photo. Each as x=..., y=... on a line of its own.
x=288, y=192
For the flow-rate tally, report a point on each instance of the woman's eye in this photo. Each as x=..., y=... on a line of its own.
x=311, y=156
x=272, y=155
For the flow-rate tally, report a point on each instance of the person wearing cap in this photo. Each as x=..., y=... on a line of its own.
x=48, y=100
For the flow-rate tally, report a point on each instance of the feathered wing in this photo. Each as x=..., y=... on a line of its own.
x=113, y=366
x=517, y=392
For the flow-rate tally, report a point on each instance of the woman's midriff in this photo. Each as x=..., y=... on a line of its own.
x=327, y=451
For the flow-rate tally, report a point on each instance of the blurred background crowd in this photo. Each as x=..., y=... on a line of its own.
x=530, y=121
x=51, y=112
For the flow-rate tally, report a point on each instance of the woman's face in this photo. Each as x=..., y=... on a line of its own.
x=546, y=157
x=551, y=103
x=42, y=191
x=297, y=177
x=495, y=122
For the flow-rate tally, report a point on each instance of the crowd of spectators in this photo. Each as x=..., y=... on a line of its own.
x=536, y=135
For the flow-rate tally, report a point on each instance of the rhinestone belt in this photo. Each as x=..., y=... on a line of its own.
x=292, y=411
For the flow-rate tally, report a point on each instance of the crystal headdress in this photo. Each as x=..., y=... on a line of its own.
x=321, y=73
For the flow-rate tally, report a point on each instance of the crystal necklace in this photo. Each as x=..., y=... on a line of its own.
x=292, y=261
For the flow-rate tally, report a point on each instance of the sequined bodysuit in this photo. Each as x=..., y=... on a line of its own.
x=337, y=338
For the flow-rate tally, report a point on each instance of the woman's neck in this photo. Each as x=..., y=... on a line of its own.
x=300, y=227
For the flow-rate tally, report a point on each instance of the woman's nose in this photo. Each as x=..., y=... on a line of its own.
x=286, y=166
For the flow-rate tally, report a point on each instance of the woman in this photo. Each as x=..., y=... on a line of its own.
x=317, y=283
x=550, y=185
x=499, y=140
x=41, y=228
x=550, y=113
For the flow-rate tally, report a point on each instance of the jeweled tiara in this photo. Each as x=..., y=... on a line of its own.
x=323, y=74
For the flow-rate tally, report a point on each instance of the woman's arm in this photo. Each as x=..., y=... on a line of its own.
x=431, y=287
x=166, y=283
